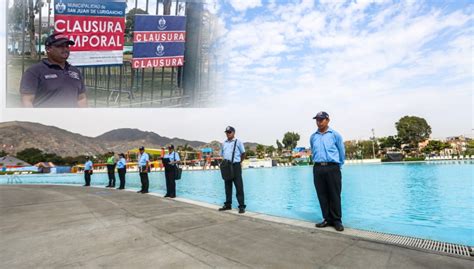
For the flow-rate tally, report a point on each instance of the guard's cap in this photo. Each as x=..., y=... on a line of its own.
x=321, y=115
x=57, y=39
x=229, y=129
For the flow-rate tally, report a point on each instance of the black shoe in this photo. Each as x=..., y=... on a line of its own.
x=225, y=208
x=139, y=191
x=120, y=188
x=86, y=185
x=338, y=226
x=108, y=186
x=241, y=210
x=144, y=192
x=166, y=196
x=322, y=224
x=173, y=196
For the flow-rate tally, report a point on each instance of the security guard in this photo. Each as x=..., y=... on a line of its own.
x=122, y=170
x=88, y=166
x=328, y=152
x=54, y=82
x=111, y=170
x=170, y=171
x=143, y=168
x=227, y=151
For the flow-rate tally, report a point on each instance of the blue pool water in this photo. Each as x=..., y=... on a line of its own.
x=427, y=200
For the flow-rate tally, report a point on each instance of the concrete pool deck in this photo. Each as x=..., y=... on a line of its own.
x=50, y=226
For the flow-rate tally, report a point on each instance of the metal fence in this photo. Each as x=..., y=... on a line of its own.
x=191, y=85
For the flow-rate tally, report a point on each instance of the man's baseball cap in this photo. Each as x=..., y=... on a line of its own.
x=321, y=115
x=141, y=148
x=171, y=146
x=58, y=39
x=229, y=129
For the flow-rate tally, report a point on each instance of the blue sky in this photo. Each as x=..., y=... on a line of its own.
x=370, y=60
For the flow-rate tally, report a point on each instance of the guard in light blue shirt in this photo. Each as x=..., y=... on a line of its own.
x=328, y=152
x=143, y=168
x=171, y=161
x=88, y=166
x=122, y=170
x=233, y=147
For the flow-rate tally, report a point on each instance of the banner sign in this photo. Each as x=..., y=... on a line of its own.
x=96, y=27
x=158, y=41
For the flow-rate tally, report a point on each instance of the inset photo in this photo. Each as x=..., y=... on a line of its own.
x=110, y=54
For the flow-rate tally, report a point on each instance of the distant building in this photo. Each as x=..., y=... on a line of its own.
x=45, y=167
x=10, y=161
x=423, y=144
x=458, y=144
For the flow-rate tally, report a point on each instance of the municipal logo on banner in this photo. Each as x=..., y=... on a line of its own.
x=60, y=7
x=96, y=27
x=158, y=41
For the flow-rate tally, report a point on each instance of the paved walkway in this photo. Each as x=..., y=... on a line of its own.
x=69, y=227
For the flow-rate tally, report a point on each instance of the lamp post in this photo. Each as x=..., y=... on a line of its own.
x=373, y=143
x=40, y=9
x=49, y=16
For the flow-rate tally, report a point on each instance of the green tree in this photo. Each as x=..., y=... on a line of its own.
x=470, y=148
x=279, y=146
x=260, y=149
x=130, y=21
x=15, y=16
x=249, y=152
x=185, y=147
x=3, y=153
x=366, y=150
x=435, y=146
x=413, y=130
x=31, y=155
x=351, y=149
x=290, y=140
x=270, y=150
x=390, y=142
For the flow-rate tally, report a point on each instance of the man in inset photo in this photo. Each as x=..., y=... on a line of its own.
x=53, y=82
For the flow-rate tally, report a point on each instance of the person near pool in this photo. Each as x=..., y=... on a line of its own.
x=172, y=159
x=111, y=169
x=88, y=171
x=122, y=170
x=143, y=168
x=233, y=147
x=328, y=152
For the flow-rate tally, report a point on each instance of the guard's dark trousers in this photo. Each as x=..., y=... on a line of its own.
x=327, y=180
x=87, y=178
x=170, y=182
x=111, y=173
x=144, y=180
x=122, y=172
x=239, y=187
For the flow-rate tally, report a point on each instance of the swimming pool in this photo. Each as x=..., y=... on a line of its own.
x=426, y=200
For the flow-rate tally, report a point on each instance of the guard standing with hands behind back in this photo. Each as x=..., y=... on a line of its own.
x=327, y=148
x=111, y=169
x=122, y=170
x=143, y=168
x=88, y=167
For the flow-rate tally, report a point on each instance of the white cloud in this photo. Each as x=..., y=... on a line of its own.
x=243, y=5
x=380, y=62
